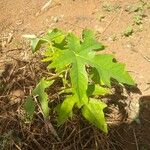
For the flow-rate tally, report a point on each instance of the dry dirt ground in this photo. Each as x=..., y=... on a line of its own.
x=19, y=72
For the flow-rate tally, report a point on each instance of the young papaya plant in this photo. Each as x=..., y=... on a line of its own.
x=85, y=73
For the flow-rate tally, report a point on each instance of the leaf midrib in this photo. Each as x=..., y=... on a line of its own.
x=76, y=62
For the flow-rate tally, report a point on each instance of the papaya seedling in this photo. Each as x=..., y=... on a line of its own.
x=85, y=73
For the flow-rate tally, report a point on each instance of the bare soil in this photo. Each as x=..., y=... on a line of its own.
x=20, y=71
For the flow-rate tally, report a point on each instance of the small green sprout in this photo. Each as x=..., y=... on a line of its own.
x=128, y=31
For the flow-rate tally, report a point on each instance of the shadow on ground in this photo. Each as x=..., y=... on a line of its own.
x=134, y=136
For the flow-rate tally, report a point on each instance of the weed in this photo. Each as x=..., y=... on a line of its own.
x=101, y=18
x=114, y=38
x=138, y=11
x=128, y=31
x=138, y=19
x=110, y=8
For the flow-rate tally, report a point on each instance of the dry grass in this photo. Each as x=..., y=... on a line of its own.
x=17, y=81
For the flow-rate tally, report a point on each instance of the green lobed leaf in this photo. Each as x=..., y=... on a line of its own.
x=55, y=36
x=55, y=44
x=73, y=43
x=66, y=91
x=65, y=110
x=73, y=56
x=95, y=89
x=93, y=112
x=79, y=80
x=94, y=75
x=90, y=42
x=108, y=69
x=62, y=60
x=51, y=54
x=35, y=42
x=42, y=95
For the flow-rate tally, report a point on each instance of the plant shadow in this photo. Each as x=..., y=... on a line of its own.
x=133, y=135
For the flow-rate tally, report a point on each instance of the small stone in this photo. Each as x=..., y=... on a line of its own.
x=62, y=16
x=41, y=32
x=99, y=28
x=19, y=22
x=55, y=19
x=16, y=96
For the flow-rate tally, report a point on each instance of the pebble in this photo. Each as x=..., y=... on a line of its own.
x=19, y=22
x=16, y=96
